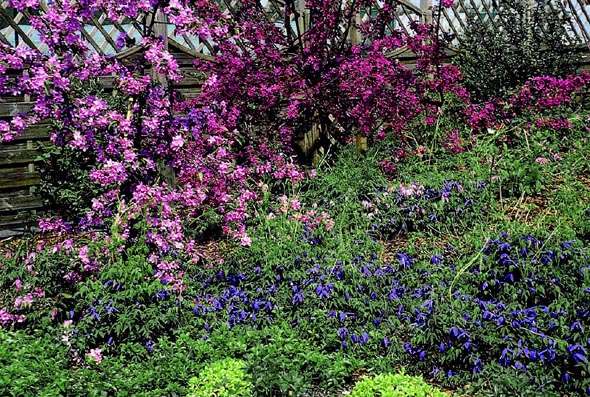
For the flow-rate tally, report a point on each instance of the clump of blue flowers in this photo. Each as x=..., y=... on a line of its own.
x=415, y=207
x=523, y=305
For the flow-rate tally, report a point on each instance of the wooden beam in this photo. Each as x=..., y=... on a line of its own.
x=426, y=11
x=17, y=29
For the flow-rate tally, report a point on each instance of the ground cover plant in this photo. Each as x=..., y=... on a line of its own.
x=394, y=385
x=197, y=251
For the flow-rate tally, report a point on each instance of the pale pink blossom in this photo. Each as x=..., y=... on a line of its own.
x=542, y=160
x=295, y=205
x=95, y=355
x=177, y=142
x=246, y=241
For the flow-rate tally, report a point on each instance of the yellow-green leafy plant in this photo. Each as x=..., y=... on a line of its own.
x=395, y=385
x=224, y=378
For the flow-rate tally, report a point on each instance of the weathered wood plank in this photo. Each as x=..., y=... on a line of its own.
x=14, y=219
x=18, y=179
x=22, y=156
x=20, y=203
x=35, y=132
x=14, y=108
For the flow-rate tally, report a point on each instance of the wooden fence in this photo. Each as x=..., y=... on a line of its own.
x=19, y=179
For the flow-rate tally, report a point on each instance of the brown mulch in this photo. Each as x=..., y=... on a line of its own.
x=527, y=208
x=212, y=252
x=391, y=247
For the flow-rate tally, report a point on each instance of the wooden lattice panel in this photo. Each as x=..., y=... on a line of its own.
x=454, y=19
x=101, y=33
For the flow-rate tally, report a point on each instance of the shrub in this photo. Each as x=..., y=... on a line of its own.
x=226, y=378
x=285, y=362
x=414, y=207
x=32, y=365
x=517, y=302
x=497, y=57
x=129, y=300
x=38, y=284
x=65, y=181
x=398, y=385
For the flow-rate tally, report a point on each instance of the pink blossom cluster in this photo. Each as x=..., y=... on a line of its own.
x=453, y=142
x=537, y=97
x=549, y=91
x=313, y=219
x=7, y=318
x=26, y=300
x=310, y=218
x=557, y=124
x=411, y=190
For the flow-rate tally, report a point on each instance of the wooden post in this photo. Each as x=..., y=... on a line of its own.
x=309, y=139
x=426, y=8
x=355, y=37
x=161, y=31
x=302, y=12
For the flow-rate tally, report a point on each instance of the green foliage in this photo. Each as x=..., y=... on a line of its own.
x=448, y=207
x=126, y=302
x=225, y=378
x=154, y=341
x=65, y=181
x=44, y=275
x=164, y=372
x=519, y=176
x=64, y=170
x=283, y=363
x=395, y=385
x=496, y=381
x=523, y=41
x=32, y=365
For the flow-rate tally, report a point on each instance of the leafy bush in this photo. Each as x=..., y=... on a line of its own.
x=282, y=362
x=41, y=365
x=521, y=42
x=32, y=365
x=518, y=177
x=65, y=180
x=225, y=378
x=38, y=283
x=451, y=314
x=126, y=302
x=398, y=385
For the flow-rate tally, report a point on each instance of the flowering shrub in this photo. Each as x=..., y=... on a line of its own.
x=313, y=301
x=153, y=153
x=146, y=152
x=307, y=296
x=131, y=300
x=538, y=98
x=463, y=321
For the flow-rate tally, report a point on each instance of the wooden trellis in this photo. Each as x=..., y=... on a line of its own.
x=454, y=19
x=101, y=33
